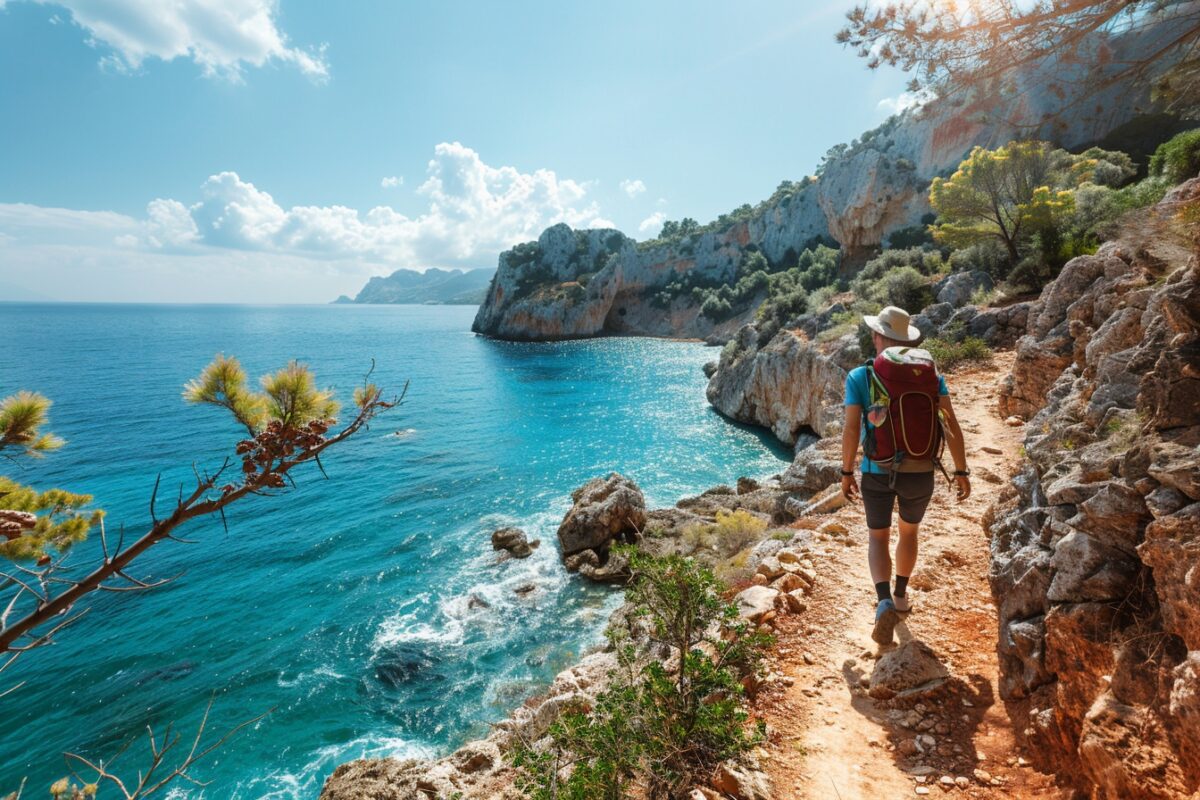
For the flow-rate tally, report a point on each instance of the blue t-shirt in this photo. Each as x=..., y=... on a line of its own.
x=858, y=393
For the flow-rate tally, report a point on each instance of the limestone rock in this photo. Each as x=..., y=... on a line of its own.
x=1103, y=514
x=741, y=783
x=911, y=669
x=514, y=541
x=756, y=602
x=604, y=509
x=789, y=385
x=958, y=288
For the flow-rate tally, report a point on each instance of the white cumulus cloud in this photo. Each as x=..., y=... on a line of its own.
x=652, y=224
x=392, y=182
x=633, y=187
x=233, y=227
x=221, y=36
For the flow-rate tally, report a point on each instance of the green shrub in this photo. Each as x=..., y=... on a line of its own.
x=926, y=261
x=948, y=354
x=652, y=732
x=988, y=256
x=1178, y=158
x=904, y=287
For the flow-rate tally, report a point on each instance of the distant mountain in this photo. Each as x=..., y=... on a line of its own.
x=449, y=286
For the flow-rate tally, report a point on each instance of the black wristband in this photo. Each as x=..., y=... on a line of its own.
x=966, y=473
x=846, y=474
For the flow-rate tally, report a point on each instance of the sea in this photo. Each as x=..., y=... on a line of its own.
x=363, y=611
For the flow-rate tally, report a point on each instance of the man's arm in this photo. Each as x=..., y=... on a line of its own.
x=851, y=431
x=958, y=447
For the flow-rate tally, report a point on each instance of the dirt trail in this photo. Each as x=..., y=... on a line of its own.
x=828, y=738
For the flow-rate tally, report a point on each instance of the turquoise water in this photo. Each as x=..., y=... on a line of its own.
x=344, y=606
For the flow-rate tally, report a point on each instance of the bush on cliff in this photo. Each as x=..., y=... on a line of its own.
x=661, y=725
x=1178, y=158
x=729, y=534
x=1018, y=191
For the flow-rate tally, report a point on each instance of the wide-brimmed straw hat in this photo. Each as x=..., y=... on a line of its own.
x=893, y=323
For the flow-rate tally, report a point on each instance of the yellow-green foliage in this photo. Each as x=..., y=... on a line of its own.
x=289, y=396
x=66, y=789
x=1004, y=194
x=61, y=520
x=21, y=418
x=731, y=531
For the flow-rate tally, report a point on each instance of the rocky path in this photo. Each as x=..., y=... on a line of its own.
x=829, y=737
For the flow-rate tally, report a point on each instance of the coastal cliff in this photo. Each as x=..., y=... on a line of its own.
x=1094, y=545
x=572, y=284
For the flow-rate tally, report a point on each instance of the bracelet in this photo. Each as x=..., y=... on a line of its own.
x=847, y=474
x=963, y=472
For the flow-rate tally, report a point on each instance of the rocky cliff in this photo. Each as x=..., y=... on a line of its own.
x=451, y=286
x=791, y=385
x=555, y=288
x=1094, y=547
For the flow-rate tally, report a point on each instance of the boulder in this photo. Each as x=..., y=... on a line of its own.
x=747, y=485
x=741, y=783
x=514, y=541
x=811, y=471
x=756, y=603
x=958, y=289
x=603, y=509
x=912, y=669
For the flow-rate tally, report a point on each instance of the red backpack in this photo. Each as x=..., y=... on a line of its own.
x=903, y=422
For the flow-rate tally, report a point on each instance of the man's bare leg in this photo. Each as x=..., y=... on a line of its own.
x=878, y=556
x=906, y=562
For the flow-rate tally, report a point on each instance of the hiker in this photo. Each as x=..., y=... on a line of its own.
x=901, y=397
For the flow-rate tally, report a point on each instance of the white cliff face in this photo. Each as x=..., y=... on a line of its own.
x=790, y=385
x=560, y=287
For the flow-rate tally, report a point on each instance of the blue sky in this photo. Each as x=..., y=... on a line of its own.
x=258, y=151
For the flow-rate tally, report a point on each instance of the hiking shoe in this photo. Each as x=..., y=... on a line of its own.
x=901, y=603
x=885, y=622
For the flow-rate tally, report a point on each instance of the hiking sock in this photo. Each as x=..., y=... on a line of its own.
x=884, y=590
x=901, y=585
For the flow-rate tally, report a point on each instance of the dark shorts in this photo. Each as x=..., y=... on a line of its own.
x=912, y=489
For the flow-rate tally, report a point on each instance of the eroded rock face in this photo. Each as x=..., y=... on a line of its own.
x=790, y=385
x=1094, y=547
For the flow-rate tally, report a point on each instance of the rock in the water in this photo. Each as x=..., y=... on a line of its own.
x=910, y=669
x=514, y=541
x=604, y=509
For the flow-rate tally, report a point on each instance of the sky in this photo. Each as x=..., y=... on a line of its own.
x=283, y=151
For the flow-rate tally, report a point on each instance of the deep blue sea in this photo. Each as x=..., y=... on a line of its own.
x=343, y=607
